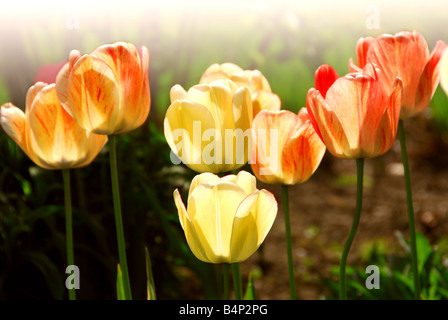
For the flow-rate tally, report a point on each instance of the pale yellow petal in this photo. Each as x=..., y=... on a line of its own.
x=253, y=221
x=212, y=208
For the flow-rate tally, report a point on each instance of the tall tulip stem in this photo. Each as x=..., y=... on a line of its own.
x=285, y=199
x=237, y=283
x=355, y=223
x=68, y=225
x=407, y=176
x=118, y=218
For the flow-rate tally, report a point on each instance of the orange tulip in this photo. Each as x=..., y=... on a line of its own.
x=107, y=91
x=295, y=150
x=262, y=96
x=405, y=55
x=47, y=133
x=356, y=116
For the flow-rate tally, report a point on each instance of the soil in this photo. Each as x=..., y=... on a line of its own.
x=322, y=210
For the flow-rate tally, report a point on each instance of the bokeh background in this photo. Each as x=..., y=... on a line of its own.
x=286, y=41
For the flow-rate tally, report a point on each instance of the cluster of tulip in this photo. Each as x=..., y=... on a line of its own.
x=99, y=95
x=355, y=116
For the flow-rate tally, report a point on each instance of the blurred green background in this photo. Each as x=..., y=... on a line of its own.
x=285, y=40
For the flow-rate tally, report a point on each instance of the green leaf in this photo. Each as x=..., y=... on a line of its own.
x=120, y=286
x=151, y=289
x=250, y=291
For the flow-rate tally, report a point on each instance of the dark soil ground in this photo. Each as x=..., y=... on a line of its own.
x=322, y=210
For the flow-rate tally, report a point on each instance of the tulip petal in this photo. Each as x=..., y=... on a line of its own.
x=362, y=47
x=124, y=60
x=13, y=122
x=265, y=100
x=444, y=72
x=177, y=93
x=253, y=220
x=428, y=81
x=387, y=128
x=216, y=71
x=212, y=209
x=327, y=124
x=206, y=177
x=198, y=248
x=302, y=153
x=370, y=98
x=94, y=95
x=55, y=136
x=184, y=126
x=144, y=105
x=404, y=55
x=272, y=130
x=324, y=77
x=31, y=94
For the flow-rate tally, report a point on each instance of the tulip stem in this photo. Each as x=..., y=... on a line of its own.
x=285, y=199
x=237, y=282
x=118, y=218
x=407, y=176
x=225, y=275
x=68, y=225
x=355, y=223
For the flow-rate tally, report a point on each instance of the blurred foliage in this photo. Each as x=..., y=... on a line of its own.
x=285, y=42
x=395, y=272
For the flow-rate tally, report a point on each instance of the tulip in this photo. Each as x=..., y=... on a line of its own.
x=47, y=133
x=295, y=151
x=407, y=56
x=299, y=148
x=262, y=96
x=226, y=219
x=356, y=116
x=51, y=138
x=220, y=112
x=107, y=91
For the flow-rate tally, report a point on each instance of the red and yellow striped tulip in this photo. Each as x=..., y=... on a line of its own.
x=262, y=96
x=226, y=219
x=47, y=133
x=298, y=148
x=107, y=91
x=405, y=55
x=356, y=115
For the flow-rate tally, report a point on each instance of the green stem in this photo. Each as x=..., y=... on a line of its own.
x=118, y=218
x=355, y=223
x=68, y=225
x=407, y=176
x=285, y=199
x=237, y=280
x=225, y=275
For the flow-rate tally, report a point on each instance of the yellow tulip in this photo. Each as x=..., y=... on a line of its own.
x=208, y=126
x=107, y=91
x=262, y=96
x=444, y=72
x=226, y=219
x=47, y=133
